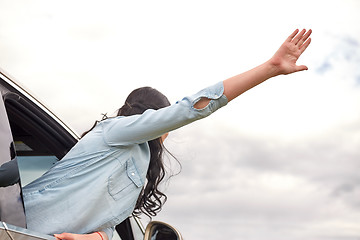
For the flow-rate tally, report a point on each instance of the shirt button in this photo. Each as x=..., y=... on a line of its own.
x=216, y=96
x=132, y=174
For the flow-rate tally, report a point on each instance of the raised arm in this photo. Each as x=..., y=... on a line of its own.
x=283, y=62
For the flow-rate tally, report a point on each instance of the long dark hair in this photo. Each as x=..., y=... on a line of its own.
x=151, y=199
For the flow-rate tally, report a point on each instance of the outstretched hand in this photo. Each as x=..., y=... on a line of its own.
x=286, y=57
x=283, y=62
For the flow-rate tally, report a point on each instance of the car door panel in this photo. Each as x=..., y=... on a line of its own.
x=11, y=207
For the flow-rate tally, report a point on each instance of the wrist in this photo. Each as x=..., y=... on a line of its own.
x=273, y=67
x=99, y=235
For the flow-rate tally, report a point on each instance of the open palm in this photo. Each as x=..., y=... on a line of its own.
x=290, y=51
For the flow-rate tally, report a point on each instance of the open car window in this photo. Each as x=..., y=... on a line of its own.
x=39, y=141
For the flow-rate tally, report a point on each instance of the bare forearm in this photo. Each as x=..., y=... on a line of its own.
x=236, y=85
x=283, y=62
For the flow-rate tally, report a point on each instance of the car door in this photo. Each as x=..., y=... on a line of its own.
x=11, y=207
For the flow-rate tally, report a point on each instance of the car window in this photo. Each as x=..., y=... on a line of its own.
x=32, y=167
x=39, y=140
x=33, y=156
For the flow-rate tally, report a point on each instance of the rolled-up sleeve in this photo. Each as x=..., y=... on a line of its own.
x=109, y=232
x=154, y=123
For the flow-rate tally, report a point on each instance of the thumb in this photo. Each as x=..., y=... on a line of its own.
x=301, y=68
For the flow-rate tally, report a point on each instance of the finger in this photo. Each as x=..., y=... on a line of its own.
x=292, y=35
x=301, y=68
x=298, y=37
x=305, y=45
x=303, y=39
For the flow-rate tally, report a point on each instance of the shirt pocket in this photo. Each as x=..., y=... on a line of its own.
x=124, y=180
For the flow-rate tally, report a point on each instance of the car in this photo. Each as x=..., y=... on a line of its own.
x=32, y=139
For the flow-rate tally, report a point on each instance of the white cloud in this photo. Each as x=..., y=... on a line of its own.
x=246, y=185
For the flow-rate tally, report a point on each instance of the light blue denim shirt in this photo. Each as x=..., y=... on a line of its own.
x=96, y=185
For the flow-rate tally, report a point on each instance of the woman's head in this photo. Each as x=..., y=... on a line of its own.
x=142, y=99
x=151, y=198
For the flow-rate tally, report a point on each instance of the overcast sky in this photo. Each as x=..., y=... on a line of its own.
x=281, y=162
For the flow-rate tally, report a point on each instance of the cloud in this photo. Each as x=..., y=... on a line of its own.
x=326, y=66
x=304, y=188
x=343, y=57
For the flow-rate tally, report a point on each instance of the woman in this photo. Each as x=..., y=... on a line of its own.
x=116, y=167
